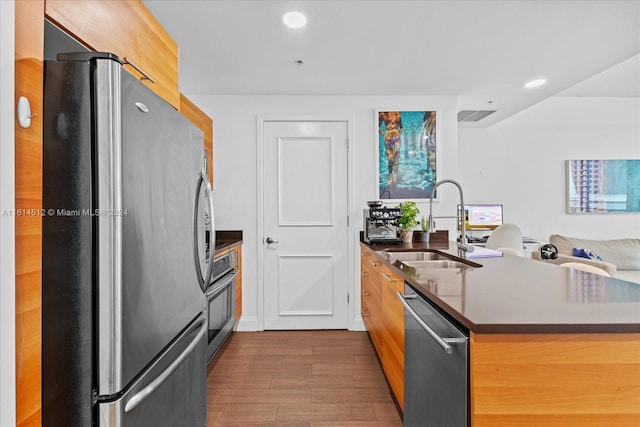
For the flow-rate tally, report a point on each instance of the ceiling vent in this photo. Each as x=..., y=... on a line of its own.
x=473, y=115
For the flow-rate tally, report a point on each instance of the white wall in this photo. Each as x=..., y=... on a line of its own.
x=520, y=162
x=7, y=228
x=235, y=157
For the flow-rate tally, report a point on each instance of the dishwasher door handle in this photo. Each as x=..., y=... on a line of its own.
x=444, y=342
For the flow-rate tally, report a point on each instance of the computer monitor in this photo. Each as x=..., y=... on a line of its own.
x=482, y=216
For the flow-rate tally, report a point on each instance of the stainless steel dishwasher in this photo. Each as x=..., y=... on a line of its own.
x=436, y=366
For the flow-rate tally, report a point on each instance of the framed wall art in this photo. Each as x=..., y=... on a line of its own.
x=407, y=154
x=603, y=186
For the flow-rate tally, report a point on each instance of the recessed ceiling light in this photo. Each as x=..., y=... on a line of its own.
x=294, y=20
x=535, y=83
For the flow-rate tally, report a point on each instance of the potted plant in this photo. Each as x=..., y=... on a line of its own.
x=424, y=226
x=408, y=220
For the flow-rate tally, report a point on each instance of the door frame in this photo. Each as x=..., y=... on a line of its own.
x=261, y=121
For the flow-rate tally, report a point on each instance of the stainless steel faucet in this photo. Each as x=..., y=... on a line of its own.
x=462, y=244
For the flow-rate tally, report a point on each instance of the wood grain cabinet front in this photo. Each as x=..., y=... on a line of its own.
x=371, y=299
x=393, y=318
x=383, y=316
x=205, y=124
x=239, y=284
x=127, y=29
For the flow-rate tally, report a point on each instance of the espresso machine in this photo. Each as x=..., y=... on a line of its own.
x=381, y=224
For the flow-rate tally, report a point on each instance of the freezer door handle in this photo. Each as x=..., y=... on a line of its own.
x=209, y=231
x=137, y=398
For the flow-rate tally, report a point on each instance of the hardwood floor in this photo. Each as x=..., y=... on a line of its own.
x=299, y=378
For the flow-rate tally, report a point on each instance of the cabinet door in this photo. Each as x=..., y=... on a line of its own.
x=205, y=124
x=29, y=49
x=239, y=284
x=371, y=299
x=127, y=29
x=393, y=347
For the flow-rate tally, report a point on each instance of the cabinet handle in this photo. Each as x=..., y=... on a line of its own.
x=364, y=293
x=365, y=254
x=364, y=313
x=365, y=273
x=375, y=264
x=390, y=280
x=145, y=76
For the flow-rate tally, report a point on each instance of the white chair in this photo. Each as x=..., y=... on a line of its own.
x=511, y=251
x=507, y=238
x=585, y=267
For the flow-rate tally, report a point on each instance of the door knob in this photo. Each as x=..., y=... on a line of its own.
x=271, y=241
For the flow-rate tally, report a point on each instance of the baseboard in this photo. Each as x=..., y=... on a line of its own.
x=246, y=324
x=357, y=325
x=250, y=324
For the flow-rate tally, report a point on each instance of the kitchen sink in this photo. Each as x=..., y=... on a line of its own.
x=417, y=256
x=421, y=260
x=436, y=264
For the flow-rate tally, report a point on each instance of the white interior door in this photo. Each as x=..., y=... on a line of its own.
x=305, y=224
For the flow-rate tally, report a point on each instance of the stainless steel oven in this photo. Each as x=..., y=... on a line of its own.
x=221, y=302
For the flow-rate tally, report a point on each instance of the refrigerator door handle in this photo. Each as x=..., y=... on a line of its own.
x=137, y=398
x=209, y=231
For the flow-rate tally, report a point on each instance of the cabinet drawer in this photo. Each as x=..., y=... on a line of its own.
x=371, y=316
x=393, y=365
x=393, y=310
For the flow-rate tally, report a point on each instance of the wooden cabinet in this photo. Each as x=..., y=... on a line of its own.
x=371, y=298
x=29, y=50
x=393, y=319
x=202, y=122
x=555, y=379
x=239, y=285
x=383, y=316
x=127, y=29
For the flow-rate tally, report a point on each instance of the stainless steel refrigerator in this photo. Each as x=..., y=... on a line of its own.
x=127, y=251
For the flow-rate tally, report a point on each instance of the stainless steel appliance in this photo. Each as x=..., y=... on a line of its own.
x=127, y=252
x=381, y=225
x=221, y=302
x=436, y=366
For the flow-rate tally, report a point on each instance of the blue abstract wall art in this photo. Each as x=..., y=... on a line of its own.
x=603, y=186
x=407, y=160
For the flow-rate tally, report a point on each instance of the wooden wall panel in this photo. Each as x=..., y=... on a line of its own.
x=239, y=285
x=563, y=379
x=29, y=53
x=125, y=28
x=204, y=123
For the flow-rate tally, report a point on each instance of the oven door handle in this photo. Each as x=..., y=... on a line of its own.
x=225, y=282
x=209, y=231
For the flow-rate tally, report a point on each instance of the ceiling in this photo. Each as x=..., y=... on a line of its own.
x=480, y=51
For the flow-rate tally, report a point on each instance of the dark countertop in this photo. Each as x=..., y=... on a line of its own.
x=226, y=239
x=512, y=294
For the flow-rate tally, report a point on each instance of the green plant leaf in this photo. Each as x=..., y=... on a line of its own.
x=409, y=218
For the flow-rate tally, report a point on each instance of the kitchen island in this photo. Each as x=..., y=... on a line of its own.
x=548, y=345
